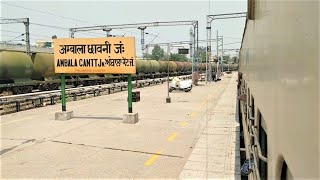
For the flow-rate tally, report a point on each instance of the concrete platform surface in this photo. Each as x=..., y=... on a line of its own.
x=96, y=144
x=216, y=154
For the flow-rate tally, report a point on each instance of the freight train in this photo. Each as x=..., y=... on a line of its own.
x=21, y=73
x=279, y=90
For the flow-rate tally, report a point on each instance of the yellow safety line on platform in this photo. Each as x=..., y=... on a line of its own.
x=184, y=123
x=203, y=103
x=171, y=138
x=193, y=114
x=153, y=158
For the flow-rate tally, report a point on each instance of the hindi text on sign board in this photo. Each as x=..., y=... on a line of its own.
x=95, y=55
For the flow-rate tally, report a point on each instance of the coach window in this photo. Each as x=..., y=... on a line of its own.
x=248, y=97
x=285, y=172
x=263, y=140
x=252, y=106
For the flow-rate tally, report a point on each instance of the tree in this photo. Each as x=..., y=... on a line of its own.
x=178, y=57
x=226, y=57
x=148, y=56
x=234, y=59
x=202, y=54
x=157, y=52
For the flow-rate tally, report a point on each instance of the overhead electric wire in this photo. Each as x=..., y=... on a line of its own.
x=15, y=37
x=73, y=19
x=64, y=17
x=231, y=43
x=29, y=33
x=65, y=29
x=50, y=26
x=53, y=27
x=8, y=35
x=44, y=12
x=231, y=37
x=21, y=40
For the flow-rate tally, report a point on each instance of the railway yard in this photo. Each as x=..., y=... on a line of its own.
x=229, y=90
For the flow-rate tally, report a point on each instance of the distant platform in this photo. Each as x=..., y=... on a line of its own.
x=96, y=143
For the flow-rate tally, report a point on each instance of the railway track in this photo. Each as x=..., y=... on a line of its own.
x=15, y=103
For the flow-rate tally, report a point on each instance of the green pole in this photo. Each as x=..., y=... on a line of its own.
x=63, y=92
x=130, y=93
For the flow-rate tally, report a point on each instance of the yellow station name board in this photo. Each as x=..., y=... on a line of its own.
x=114, y=55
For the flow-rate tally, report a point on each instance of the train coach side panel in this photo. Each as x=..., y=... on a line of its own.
x=280, y=64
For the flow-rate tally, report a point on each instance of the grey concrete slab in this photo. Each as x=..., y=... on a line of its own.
x=64, y=115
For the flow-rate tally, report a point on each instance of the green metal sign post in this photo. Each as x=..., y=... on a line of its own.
x=130, y=93
x=63, y=92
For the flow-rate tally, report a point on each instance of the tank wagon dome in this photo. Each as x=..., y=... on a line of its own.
x=155, y=66
x=141, y=66
x=163, y=66
x=172, y=66
x=148, y=66
x=187, y=66
x=44, y=64
x=180, y=66
x=190, y=66
x=15, y=65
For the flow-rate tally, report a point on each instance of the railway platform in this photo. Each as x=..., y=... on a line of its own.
x=216, y=154
x=195, y=136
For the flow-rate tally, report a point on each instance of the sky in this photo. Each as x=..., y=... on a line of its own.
x=50, y=18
